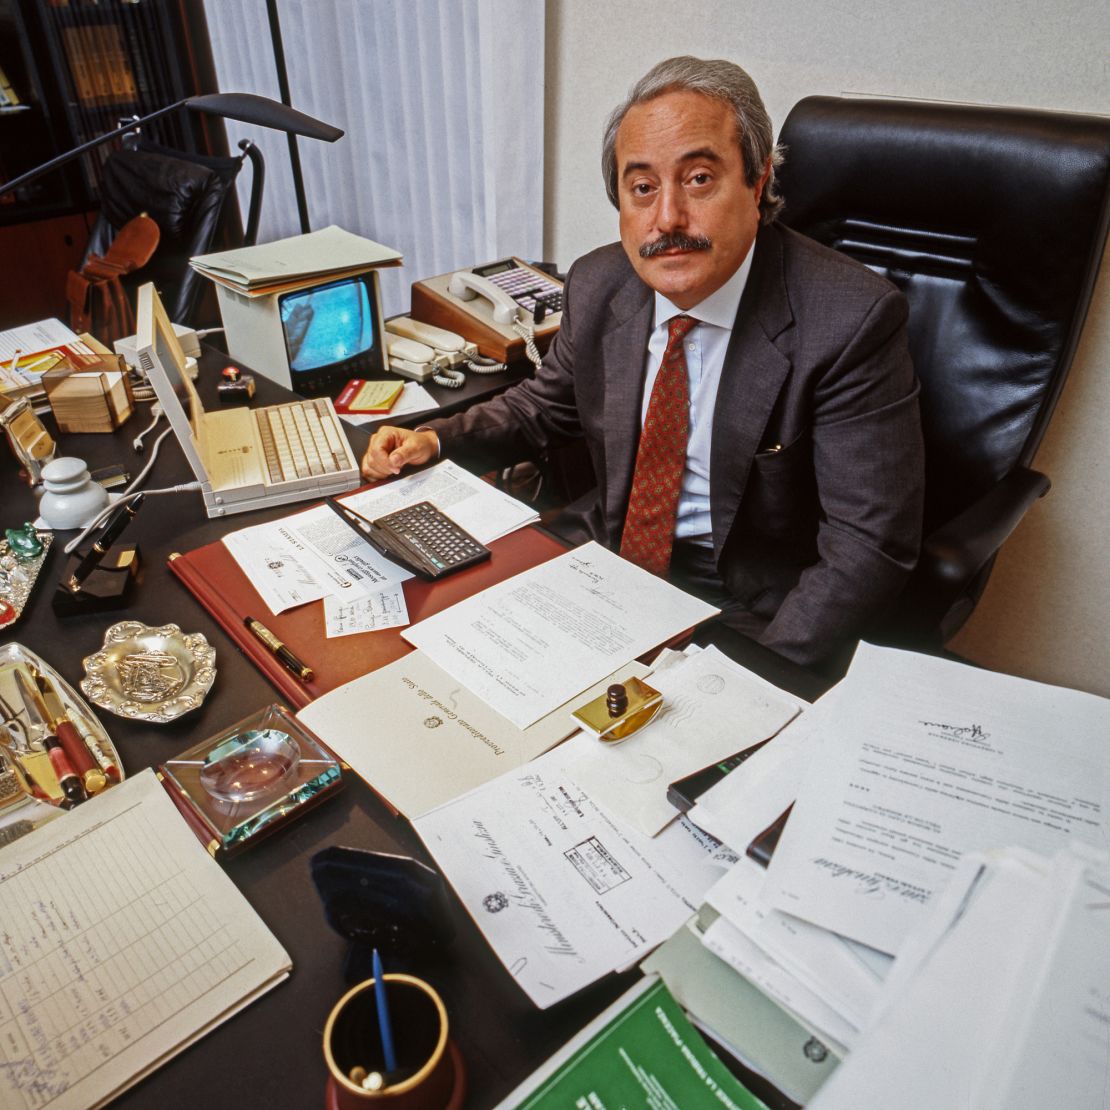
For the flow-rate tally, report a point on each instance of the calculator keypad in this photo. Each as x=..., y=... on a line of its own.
x=434, y=538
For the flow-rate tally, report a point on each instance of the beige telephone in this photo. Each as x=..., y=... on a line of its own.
x=508, y=308
x=422, y=351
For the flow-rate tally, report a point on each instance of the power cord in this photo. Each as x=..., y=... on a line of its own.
x=155, y=416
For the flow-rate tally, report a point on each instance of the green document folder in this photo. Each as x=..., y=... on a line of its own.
x=640, y=1053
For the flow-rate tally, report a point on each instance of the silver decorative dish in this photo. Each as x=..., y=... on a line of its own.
x=150, y=674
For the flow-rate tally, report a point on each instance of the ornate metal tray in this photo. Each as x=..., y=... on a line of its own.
x=150, y=674
x=19, y=740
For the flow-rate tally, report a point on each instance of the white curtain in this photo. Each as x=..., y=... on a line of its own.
x=442, y=104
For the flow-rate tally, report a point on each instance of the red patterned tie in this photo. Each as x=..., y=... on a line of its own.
x=649, y=524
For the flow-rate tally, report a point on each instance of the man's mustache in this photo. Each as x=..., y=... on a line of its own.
x=676, y=240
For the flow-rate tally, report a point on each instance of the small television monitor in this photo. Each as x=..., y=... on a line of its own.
x=314, y=338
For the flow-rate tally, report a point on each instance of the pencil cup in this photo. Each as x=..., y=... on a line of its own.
x=429, y=1073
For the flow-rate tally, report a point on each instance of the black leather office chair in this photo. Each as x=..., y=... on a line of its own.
x=184, y=194
x=992, y=221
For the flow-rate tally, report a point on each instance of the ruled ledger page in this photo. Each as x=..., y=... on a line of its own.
x=121, y=942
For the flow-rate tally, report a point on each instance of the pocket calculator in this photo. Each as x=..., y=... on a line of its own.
x=419, y=537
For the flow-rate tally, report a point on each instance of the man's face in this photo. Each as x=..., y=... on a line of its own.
x=682, y=189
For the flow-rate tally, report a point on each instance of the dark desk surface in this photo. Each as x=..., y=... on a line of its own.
x=270, y=1054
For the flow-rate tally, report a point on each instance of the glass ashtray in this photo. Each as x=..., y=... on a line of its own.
x=251, y=778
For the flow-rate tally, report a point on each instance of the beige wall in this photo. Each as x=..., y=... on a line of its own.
x=1046, y=613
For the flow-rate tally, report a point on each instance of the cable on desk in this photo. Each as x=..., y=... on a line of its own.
x=155, y=416
x=130, y=492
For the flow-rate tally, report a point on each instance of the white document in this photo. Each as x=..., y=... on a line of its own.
x=347, y=616
x=282, y=569
x=1002, y=998
x=712, y=708
x=419, y=738
x=473, y=504
x=923, y=760
x=104, y=978
x=825, y=964
x=29, y=339
x=1062, y=1044
x=563, y=892
x=529, y=644
x=355, y=567
x=752, y=797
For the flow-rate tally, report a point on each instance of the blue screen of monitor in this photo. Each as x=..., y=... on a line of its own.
x=328, y=324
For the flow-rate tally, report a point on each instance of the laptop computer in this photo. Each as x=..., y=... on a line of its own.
x=244, y=458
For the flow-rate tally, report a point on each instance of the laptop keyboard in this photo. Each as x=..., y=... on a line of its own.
x=300, y=440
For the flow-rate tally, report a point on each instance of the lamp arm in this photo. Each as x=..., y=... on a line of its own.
x=244, y=107
x=92, y=144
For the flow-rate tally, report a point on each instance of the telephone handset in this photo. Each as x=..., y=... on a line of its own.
x=421, y=351
x=466, y=286
x=508, y=308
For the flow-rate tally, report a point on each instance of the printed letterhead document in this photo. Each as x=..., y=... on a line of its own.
x=563, y=891
x=529, y=644
x=420, y=738
x=108, y=971
x=923, y=760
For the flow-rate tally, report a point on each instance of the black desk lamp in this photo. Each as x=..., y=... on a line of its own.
x=244, y=107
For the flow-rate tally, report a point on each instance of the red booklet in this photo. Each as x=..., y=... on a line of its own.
x=215, y=579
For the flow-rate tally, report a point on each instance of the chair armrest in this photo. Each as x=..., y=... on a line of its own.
x=959, y=549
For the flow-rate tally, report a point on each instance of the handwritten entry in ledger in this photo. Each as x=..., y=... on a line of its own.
x=120, y=942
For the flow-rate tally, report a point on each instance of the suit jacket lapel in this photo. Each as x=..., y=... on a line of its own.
x=752, y=377
x=624, y=353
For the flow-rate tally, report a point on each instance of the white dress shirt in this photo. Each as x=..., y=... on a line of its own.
x=705, y=357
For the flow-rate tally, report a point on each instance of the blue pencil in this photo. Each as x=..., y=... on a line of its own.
x=383, y=1015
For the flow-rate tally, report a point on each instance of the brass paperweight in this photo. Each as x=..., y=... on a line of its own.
x=622, y=710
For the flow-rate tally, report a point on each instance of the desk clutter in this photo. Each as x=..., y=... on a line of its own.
x=54, y=753
x=810, y=886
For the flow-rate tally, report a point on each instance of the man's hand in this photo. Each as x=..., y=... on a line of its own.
x=393, y=448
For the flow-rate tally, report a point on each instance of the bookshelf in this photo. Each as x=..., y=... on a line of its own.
x=75, y=69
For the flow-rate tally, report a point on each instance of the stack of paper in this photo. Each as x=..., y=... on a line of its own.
x=300, y=260
x=314, y=554
x=1001, y=997
x=922, y=760
x=28, y=352
x=563, y=891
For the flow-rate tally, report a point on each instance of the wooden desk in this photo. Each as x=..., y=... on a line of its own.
x=270, y=1055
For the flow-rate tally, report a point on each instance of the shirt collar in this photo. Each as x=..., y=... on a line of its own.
x=718, y=308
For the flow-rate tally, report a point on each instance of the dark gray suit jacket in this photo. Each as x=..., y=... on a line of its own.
x=816, y=473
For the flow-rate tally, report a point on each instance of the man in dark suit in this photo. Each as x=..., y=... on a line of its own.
x=777, y=369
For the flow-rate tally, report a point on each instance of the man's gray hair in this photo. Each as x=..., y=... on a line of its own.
x=719, y=80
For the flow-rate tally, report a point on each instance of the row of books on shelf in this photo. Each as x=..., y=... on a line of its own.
x=99, y=63
x=9, y=98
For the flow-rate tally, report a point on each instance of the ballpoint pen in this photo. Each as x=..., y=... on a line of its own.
x=285, y=656
x=116, y=524
x=92, y=777
x=72, y=786
x=385, y=1026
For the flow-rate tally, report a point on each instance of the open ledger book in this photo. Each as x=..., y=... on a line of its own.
x=148, y=956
